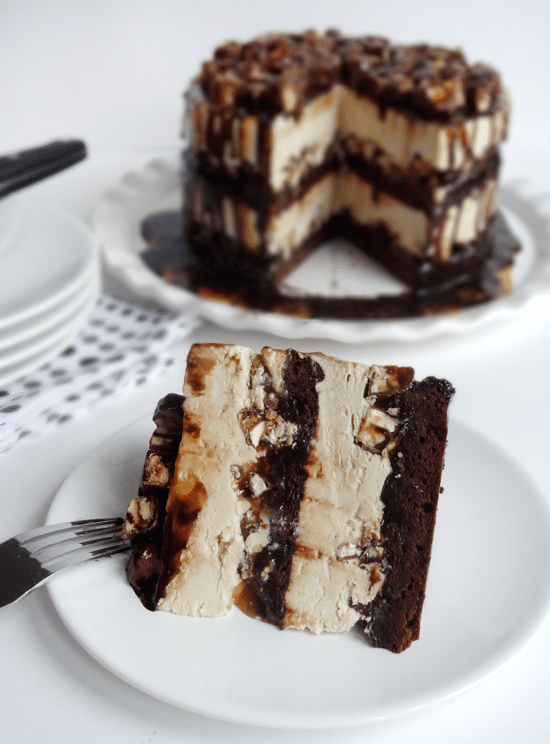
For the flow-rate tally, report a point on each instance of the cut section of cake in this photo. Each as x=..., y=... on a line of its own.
x=305, y=491
x=294, y=139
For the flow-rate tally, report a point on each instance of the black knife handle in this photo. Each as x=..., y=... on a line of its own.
x=28, y=166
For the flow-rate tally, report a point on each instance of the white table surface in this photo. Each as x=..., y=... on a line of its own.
x=111, y=73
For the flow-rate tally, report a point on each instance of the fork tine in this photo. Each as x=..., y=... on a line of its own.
x=47, y=552
x=63, y=540
x=85, y=552
x=78, y=527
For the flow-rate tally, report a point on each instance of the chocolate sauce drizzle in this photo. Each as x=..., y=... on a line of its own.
x=283, y=468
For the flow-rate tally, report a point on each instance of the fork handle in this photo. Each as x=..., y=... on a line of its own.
x=21, y=572
x=23, y=168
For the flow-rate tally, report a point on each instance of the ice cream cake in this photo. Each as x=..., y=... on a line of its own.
x=302, y=488
x=294, y=139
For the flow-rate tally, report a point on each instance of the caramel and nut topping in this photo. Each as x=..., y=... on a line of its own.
x=280, y=72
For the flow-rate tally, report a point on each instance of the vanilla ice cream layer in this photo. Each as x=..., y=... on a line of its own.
x=286, y=148
x=204, y=510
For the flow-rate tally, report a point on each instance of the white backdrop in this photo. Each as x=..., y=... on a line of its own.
x=112, y=72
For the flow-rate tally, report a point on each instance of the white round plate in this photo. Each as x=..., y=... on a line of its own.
x=488, y=593
x=29, y=357
x=121, y=210
x=50, y=256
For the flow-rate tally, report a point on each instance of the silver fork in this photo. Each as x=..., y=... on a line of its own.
x=29, y=559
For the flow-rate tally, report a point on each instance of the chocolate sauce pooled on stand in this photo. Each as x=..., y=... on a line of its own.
x=169, y=256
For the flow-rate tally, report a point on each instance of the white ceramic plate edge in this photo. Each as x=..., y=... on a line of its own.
x=33, y=359
x=28, y=330
x=379, y=662
x=58, y=296
x=46, y=335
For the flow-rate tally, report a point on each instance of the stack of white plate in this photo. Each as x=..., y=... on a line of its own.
x=49, y=283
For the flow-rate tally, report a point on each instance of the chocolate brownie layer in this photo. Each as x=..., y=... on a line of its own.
x=392, y=619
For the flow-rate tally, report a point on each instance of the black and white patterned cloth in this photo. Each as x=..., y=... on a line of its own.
x=121, y=346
